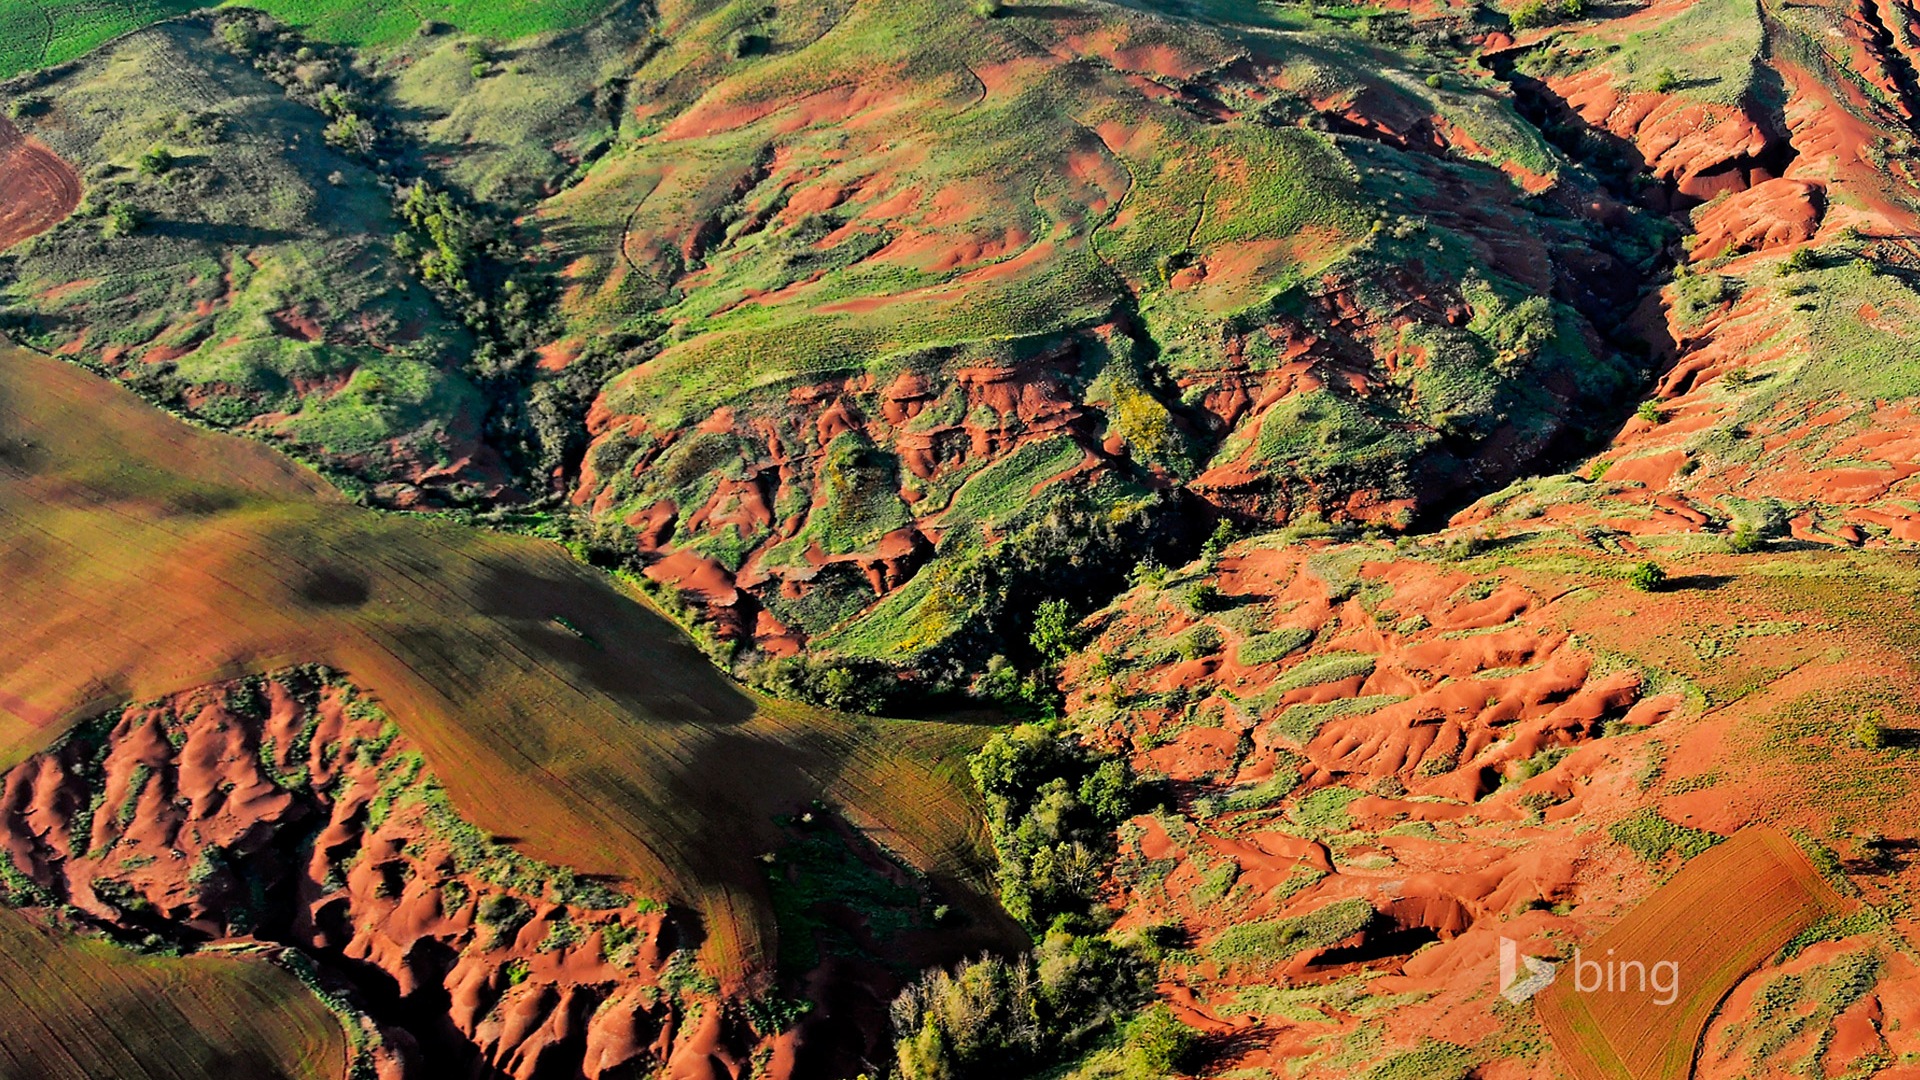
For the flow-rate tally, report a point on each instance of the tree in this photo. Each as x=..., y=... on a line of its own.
x=1869, y=733
x=1055, y=635
x=1202, y=597
x=157, y=161
x=1648, y=577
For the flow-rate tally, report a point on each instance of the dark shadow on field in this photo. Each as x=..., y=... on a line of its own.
x=618, y=647
x=1040, y=11
x=202, y=232
x=1884, y=858
x=1701, y=582
x=331, y=587
x=1902, y=738
x=1224, y=1046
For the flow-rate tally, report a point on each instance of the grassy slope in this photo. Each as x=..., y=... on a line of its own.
x=81, y=1009
x=262, y=269
x=826, y=200
x=152, y=557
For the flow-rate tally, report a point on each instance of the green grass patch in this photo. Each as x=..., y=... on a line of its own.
x=1281, y=939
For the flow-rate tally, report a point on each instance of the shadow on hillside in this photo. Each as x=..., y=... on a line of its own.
x=1696, y=582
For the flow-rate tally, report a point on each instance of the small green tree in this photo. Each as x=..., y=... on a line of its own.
x=1746, y=538
x=1650, y=412
x=1158, y=1044
x=1665, y=81
x=120, y=220
x=1648, y=577
x=1202, y=597
x=1869, y=732
x=1054, y=635
x=1799, y=261
x=157, y=161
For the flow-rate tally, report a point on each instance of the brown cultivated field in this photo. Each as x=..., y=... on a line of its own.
x=37, y=189
x=81, y=1009
x=1719, y=918
x=143, y=556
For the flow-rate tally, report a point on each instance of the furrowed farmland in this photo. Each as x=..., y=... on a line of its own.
x=1721, y=916
x=81, y=1009
x=152, y=557
x=41, y=33
x=960, y=539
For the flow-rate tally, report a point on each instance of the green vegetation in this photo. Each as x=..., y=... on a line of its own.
x=1322, y=669
x=1276, y=645
x=1280, y=939
x=1651, y=836
x=1053, y=808
x=1647, y=577
x=1869, y=732
x=41, y=33
x=1532, y=14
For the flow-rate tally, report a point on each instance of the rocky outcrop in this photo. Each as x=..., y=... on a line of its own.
x=290, y=810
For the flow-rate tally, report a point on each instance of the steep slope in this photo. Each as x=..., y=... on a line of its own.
x=880, y=284
x=148, y=556
x=1383, y=760
x=229, y=261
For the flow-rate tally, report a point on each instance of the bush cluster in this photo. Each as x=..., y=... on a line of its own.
x=1053, y=807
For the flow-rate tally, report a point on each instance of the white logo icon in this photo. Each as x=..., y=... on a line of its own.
x=1513, y=985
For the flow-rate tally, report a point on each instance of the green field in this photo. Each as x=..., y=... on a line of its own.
x=74, y=1008
x=146, y=557
x=41, y=33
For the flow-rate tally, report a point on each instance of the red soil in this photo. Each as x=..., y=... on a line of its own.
x=1720, y=917
x=190, y=781
x=37, y=189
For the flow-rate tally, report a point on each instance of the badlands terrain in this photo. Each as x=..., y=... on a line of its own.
x=948, y=539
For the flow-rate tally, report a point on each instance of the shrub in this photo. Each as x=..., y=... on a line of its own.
x=240, y=35
x=1158, y=1044
x=1647, y=577
x=157, y=161
x=1745, y=539
x=988, y=9
x=1202, y=597
x=1266, y=648
x=480, y=69
x=1148, y=573
x=1202, y=640
x=1869, y=733
x=1537, y=13
x=1650, y=412
x=504, y=915
x=120, y=220
x=1799, y=261
x=1055, y=635
x=1435, y=81
x=1665, y=81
